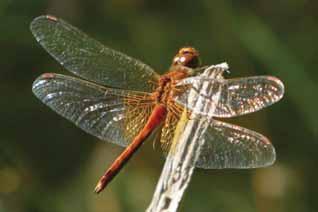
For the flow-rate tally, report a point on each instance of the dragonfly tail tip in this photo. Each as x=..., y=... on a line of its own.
x=99, y=187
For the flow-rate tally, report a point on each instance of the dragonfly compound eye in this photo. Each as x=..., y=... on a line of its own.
x=188, y=57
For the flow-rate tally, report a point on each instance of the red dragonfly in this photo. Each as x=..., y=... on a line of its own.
x=124, y=101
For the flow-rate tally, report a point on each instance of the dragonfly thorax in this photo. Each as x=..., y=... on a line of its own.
x=186, y=59
x=166, y=89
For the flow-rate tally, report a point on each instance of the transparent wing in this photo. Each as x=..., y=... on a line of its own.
x=88, y=58
x=98, y=110
x=169, y=126
x=231, y=146
x=246, y=95
x=235, y=96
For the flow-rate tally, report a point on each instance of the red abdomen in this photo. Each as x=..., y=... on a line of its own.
x=156, y=118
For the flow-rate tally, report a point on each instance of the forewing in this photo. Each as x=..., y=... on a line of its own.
x=246, y=95
x=98, y=110
x=231, y=146
x=234, y=97
x=88, y=58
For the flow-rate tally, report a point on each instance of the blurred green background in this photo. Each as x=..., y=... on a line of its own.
x=47, y=164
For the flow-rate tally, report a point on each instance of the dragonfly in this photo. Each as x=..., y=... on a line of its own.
x=122, y=100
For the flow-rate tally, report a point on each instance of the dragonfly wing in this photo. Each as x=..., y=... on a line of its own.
x=88, y=58
x=246, y=95
x=231, y=146
x=169, y=127
x=98, y=110
x=234, y=97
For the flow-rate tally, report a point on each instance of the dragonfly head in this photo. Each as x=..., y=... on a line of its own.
x=187, y=56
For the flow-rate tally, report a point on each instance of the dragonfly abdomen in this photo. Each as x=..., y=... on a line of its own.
x=157, y=116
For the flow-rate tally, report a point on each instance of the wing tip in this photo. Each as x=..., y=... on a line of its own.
x=51, y=18
x=48, y=75
x=279, y=84
x=270, y=154
x=40, y=18
x=45, y=17
x=38, y=81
